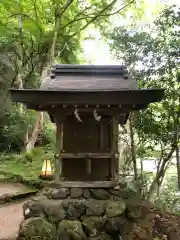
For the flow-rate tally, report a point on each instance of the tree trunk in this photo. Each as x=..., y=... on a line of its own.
x=152, y=189
x=162, y=168
x=133, y=151
x=30, y=142
x=20, y=86
x=158, y=189
x=142, y=176
x=44, y=72
x=178, y=165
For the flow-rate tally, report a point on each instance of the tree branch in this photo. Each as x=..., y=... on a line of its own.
x=96, y=16
x=25, y=15
x=117, y=11
x=65, y=7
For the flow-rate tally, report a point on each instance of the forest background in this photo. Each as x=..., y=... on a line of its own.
x=144, y=35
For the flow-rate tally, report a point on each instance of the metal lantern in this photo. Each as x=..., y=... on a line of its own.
x=46, y=172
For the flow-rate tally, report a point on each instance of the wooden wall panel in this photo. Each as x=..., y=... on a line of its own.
x=77, y=170
x=88, y=136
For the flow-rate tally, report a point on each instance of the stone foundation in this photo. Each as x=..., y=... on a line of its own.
x=93, y=193
x=77, y=214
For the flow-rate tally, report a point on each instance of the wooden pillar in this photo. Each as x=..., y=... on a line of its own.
x=59, y=148
x=114, y=149
x=101, y=135
x=88, y=162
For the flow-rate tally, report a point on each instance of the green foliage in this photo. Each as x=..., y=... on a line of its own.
x=153, y=60
x=169, y=200
x=25, y=167
x=47, y=137
x=152, y=56
x=33, y=35
x=28, y=29
x=13, y=128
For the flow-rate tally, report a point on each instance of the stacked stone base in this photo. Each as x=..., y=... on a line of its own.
x=77, y=214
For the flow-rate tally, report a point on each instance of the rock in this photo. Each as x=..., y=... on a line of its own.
x=92, y=224
x=74, y=208
x=5, y=198
x=101, y=236
x=33, y=208
x=100, y=194
x=72, y=229
x=116, y=198
x=86, y=193
x=36, y=228
x=123, y=193
x=47, y=192
x=76, y=192
x=54, y=210
x=115, y=208
x=114, y=224
x=121, y=185
x=60, y=193
x=63, y=236
x=138, y=211
x=39, y=198
x=95, y=207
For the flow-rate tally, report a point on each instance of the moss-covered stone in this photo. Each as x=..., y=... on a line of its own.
x=124, y=193
x=33, y=208
x=139, y=210
x=74, y=208
x=93, y=224
x=114, y=224
x=127, y=218
x=36, y=228
x=101, y=236
x=54, y=210
x=61, y=193
x=86, y=193
x=100, y=194
x=95, y=207
x=71, y=229
x=115, y=208
x=76, y=192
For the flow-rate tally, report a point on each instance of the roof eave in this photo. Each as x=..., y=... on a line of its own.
x=126, y=97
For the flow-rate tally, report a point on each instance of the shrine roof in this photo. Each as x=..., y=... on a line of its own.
x=88, y=78
x=89, y=85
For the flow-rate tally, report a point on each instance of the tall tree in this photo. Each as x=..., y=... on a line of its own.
x=153, y=58
x=34, y=34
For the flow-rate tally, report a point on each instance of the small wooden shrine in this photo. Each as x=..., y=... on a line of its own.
x=87, y=103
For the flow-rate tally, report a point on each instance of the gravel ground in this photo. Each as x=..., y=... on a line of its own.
x=11, y=215
x=10, y=218
x=11, y=188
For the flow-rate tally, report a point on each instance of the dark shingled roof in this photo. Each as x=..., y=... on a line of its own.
x=88, y=78
x=88, y=85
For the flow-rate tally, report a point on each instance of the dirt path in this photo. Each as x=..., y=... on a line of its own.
x=11, y=215
x=11, y=188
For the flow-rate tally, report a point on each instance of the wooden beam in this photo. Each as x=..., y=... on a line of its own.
x=114, y=148
x=85, y=155
x=101, y=135
x=59, y=147
x=89, y=167
x=103, y=110
x=123, y=97
x=84, y=184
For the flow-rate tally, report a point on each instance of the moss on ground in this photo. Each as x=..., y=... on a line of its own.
x=24, y=168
